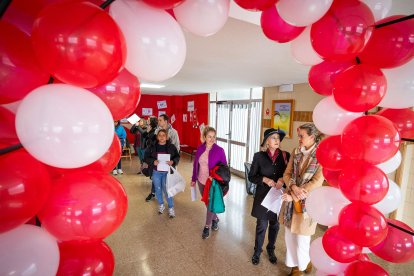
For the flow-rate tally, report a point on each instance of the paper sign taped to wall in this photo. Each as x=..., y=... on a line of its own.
x=162, y=104
x=184, y=117
x=190, y=106
x=146, y=111
x=160, y=112
x=133, y=119
x=172, y=119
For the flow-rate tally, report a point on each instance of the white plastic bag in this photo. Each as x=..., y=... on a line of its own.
x=175, y=182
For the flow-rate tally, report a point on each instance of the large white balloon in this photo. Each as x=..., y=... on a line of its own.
x=322, y=261
x=338, y=118
x=303, y=51
x=64, y=126
x=379, y=8
x=324, y=205
x=156, y=46
x=400, y=86
x=202, y=17
x=302, y=12
x=392, y=199
x=28, y=250
x=392, y=164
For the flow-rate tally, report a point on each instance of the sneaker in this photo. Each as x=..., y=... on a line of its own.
x=114, y=172
x=120, y=171
x=206, y=233
x=171, y=213
x=161, y=209
x=149, y=197
x=215, y=226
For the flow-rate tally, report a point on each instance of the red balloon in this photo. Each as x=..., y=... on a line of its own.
x=365, y=268
x=275, y=28
x=24, y=188
x=390, y=46
x=403, y=120
x=398, y=246
x=164, y=4
x=8, y=133
x=343, y=31
x=359, y=88
x=79, y=43
x=17, y=63
x=338, y=247
x=331, y=176
x=256, y=5
x=121, y=95
x=329, y=153
x=371, y=138
x=84, y=207
x=362, y=182
x=93, y=259
x=362, y=224
x=322, y=76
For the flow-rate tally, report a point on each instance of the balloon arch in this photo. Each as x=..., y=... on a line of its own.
x=77, y=58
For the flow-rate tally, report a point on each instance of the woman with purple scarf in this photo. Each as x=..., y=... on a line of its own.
x=208, y=155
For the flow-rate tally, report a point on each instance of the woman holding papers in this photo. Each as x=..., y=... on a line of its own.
x=267, y=172
x=159, y=157
x=303, y=174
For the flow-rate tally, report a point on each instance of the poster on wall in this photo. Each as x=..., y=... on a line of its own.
x=172, y=118
x=160, y=112
x=282, y=116
x=146, y=111
x=185, y=118
x=162, y=104
x=190, y=106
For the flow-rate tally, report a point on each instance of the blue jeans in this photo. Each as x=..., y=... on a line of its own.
x=159, y=179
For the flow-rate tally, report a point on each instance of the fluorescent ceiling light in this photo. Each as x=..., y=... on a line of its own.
x=151, y=85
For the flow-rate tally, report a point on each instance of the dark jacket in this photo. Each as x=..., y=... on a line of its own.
x=143, y=135
x=262, y=165
x=151, y=155
x=151, y=138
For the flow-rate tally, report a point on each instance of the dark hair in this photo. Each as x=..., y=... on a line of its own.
x=162, y=130
x=312, y=130
x=153, y=122
x=165, y=117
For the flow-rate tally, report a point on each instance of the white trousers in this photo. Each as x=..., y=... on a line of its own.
x=297, y=253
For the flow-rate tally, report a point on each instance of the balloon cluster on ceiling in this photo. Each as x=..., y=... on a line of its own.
x=69, y=68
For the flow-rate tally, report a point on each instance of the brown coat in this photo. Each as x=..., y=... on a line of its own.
x=302, y=224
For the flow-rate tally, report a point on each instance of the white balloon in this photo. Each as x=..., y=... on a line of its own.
x=302, y=12
x=303, y=51
x=324, y=205
x=28, y=250
x=391, y=164
x=400, y=86
x=338, y=117
x=156, y=46
x=202, y=17
x=322, y=261
x=379, y=8
x=12, y=106
x=64, y=126
x=392, y=199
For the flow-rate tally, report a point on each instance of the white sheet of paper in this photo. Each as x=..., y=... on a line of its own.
x=133, y=119
x=273, y=200
x=193, y=193
x=162, y=165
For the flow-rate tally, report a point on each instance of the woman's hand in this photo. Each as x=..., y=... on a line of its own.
x=192, y=184
x=279, y=183
x=170, y=163
x=300, y=193
x=287, y=197
x=156, y=162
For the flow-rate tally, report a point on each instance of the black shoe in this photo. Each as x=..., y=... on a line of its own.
x=256, y=259
x=149, y=197
x=272, y=256
x=215, y=226
x=206, y=233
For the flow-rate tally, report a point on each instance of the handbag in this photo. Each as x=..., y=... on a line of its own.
x=175, y=182
x=297, y=205
x=216, y=202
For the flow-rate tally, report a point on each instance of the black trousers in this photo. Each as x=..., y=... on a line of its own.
x=261, y=227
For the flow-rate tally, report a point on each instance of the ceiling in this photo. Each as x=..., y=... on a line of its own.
x=239, y=56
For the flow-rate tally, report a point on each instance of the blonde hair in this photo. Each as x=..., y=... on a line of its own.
x=206, y=130
x=312, y=130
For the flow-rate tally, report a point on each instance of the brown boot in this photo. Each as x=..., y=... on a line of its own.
x=308, y=268
x=295, y=272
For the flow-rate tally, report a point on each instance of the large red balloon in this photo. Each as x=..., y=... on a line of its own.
x=79, y=43
x=84, y=206
x=322, y=76
x=390, y=46
x=331, y=176
x=8, y=133
x=362, y=182
x=338, y=247
x=343, y=31
x=365, y=268
x=371, y=138
x=403, y=120
x=24, y=187
x=94, y=258
x=256, y=5
x=20, y=72
x=363, y=224
x=329, y=153
x=398, y=246
x=164, y=4
x=121, y=95
x=359, y=88
x=275, y=28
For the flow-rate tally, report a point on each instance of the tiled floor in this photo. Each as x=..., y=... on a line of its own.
x=152, y=244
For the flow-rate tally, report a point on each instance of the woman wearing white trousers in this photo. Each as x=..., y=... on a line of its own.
x=302, y=175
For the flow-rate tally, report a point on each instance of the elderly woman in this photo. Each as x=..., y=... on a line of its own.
x=266, y=172
x=302, y=175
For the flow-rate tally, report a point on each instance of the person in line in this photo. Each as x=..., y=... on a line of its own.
x=121, y=133
x=302, y=175
x=266, y=172
x=140, y=131
x=162, y=146
x=208, y=155
x=163, y=123
x=151, y=139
